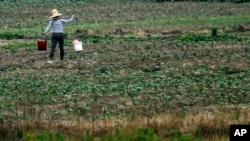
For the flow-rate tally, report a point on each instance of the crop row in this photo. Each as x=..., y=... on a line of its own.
x=119, y=95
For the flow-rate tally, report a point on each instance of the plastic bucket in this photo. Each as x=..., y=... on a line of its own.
x=78, y=46
x=41, y=44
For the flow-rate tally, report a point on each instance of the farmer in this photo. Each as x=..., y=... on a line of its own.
x=57, y=35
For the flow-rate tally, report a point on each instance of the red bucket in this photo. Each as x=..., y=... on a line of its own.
x=41, y=44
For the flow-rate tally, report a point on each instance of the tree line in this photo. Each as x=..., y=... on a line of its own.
x=234, y=1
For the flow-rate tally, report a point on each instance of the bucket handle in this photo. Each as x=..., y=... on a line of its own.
x=77, y=34
x=44, y=36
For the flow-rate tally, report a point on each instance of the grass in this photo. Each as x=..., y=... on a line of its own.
x=206, y=38
x=185, y=21
x=13, y=47
x=169, y=127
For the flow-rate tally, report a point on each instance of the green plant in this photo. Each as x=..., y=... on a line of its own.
x=13, y=47
x=87, y=136
x=30, y=137
x=11, y=36
x=147, y=134
x=214, y=32
x=45, y=135
x=59, y=137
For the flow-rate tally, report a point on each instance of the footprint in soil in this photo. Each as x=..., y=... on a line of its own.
x=56, y=64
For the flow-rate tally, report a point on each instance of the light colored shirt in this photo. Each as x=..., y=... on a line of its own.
x=56, y=25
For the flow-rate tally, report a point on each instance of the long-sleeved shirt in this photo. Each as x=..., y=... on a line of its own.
x=56, y=25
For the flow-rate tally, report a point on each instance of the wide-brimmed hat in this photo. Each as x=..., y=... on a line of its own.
x=55, y=13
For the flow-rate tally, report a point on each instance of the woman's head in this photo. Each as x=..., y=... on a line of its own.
x=55, y=17
x=55, y=14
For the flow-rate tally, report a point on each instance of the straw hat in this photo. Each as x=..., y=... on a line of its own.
x=55, y=13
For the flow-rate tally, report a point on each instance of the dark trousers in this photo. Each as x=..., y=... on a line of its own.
x=57, y=37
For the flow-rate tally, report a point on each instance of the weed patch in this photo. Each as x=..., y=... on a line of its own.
x=205, y=38
x=13, y=47
x=11, y=36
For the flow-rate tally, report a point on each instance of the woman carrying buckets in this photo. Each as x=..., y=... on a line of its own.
x=57, y=35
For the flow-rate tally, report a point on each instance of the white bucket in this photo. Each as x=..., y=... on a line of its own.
x=78, y=46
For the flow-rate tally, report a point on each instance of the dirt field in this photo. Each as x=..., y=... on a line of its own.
x=161, y=76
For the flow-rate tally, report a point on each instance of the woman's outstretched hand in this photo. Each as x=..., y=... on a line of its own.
x=74, y=17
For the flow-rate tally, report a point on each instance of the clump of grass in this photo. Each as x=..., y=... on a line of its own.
x=87, y=136
x=205, y=38
x=11, y=36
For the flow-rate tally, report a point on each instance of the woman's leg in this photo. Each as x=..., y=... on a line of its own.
x=53, y=46
x=61, y=45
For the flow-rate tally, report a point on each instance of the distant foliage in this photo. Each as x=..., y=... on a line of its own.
x=203, y=0
x=61, y=3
